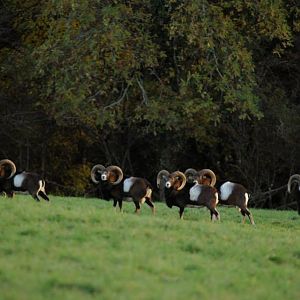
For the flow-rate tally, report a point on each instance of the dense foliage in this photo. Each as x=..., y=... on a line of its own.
x=149, y=85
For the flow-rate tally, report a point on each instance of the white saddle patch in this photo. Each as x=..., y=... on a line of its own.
x=226, y=190
x=128, y=183
x=18, y=180
x=195, y=191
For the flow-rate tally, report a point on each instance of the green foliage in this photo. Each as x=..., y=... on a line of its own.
x=78, y=176
x=74, y=248
x=213, y=60
x=126, y=74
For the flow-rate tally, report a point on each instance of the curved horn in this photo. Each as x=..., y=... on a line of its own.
x=160, y=175
x=12, y=166
x=210, y=173
x=292, y=179
x=118, y=171
x=182, y=176
x=190, y=173
x=94, y=170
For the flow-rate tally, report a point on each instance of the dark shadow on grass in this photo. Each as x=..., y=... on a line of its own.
x=56, y=218
x=191, y=248
x=276, y=259
x=297, y=254
x=82, y=287
x=28, y=232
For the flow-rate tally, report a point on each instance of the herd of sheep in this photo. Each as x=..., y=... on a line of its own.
x=191, y=188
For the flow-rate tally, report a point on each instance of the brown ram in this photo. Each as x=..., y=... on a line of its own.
x=175, y=191
x=294, y=180
x=11, y=181
x=113, y=185
x=230, y=193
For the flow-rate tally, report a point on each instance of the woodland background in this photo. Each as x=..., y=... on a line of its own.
x=151, y=85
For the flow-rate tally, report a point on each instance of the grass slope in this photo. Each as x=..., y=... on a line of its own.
x=75, y=248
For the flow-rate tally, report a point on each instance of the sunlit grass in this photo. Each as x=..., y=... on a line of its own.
x=77, y=248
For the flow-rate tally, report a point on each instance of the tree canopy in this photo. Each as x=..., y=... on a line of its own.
x=149, y=85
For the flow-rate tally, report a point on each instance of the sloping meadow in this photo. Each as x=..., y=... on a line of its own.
x=75, y=248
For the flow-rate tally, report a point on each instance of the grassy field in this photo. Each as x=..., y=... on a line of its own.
x=76, y=248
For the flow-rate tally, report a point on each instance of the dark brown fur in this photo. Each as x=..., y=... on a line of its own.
x=181, y=198
x=137, y=191
x=237, y=198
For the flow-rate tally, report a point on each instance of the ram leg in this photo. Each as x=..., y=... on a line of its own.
x=137, y=206
x=115, y=204
x=35, y=197
x=244, y=212
x=151, y=204
x=33, y=190
x=243, y=215
x=248, y=213
x=44, y=196
x=181, y=211
x=120, y=202
x=10, y=194
x=214, y=214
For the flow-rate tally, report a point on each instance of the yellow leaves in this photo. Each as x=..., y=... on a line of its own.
x=75, y=24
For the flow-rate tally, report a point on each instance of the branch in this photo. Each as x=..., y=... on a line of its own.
x=175, y=63
x=287, y=205
x=216, y=61
x=152, y=72
x=121, y=98
x=275, y=190
x=145, y=97
x=259, y=195
x=93, y=96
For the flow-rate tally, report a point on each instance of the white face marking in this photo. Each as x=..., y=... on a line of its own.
x=226, y=189
x=18, y=180
x=168, y=184
x=128, y=183
x=195, y=191
x=104, y=177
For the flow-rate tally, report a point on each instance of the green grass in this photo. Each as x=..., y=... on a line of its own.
x=76, y=248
